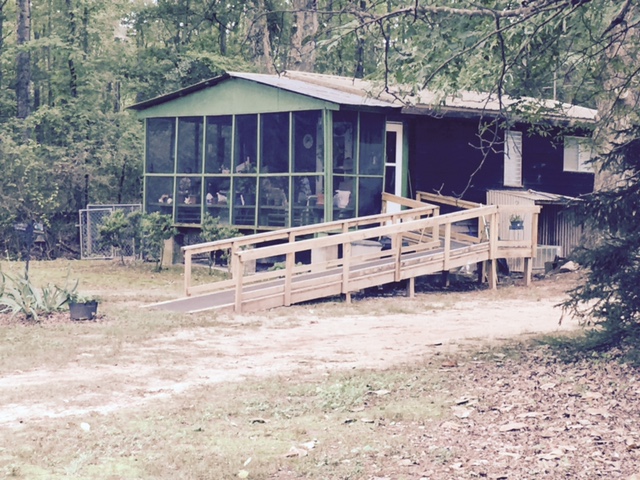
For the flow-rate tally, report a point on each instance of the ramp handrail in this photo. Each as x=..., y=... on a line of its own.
x=292, y=235
x=411, y=230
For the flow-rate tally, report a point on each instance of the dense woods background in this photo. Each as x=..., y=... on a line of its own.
x=69, y=68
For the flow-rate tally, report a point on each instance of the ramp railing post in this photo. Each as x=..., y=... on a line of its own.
x=447, y=246
x=237, y=271
x=288, y=277
x=187, y=273
x=346, y=266
x=396, y=245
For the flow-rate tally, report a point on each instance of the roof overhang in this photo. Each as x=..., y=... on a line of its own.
x=352, y=93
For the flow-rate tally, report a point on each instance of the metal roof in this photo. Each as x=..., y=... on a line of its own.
x=331, y=93
x=359, y=92
x=536, y=196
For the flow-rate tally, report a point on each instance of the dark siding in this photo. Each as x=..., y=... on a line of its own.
x=543, y=168
x=444, y=153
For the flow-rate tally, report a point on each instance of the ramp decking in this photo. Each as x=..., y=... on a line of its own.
x=344, y=257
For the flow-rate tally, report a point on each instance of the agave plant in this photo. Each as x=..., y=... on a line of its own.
x=20, y=296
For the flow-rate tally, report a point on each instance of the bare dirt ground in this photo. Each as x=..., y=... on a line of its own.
x=305, y=340
x=463, y=409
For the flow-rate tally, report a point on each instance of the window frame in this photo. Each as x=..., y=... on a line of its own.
x=512, y=175
x=577, y=153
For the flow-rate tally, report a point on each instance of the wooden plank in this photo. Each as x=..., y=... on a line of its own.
x=396, y=246
x=446, y=200
x=289, y=266
x=493, y=274
x=411, y=287
x=346, y=268
x=404, y=201
x=187, y=274
x=447, y=246
x=236, y=273
x=528, y=270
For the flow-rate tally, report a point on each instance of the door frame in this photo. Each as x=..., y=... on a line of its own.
x=398, y=128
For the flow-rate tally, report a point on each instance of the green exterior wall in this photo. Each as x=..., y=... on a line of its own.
x=236, y=96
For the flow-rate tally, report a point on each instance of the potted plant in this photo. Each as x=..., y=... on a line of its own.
x=82, y=307
x=517, y=222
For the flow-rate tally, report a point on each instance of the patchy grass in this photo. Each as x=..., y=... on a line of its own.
x=517, y=411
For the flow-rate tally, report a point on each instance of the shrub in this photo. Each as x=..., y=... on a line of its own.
x=212, y=231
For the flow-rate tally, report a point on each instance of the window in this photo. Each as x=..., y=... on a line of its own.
x=274, y=133
x=512, y=159
x=218, y=145
x=578, y=152
x=308, y=147
x=190, y=145
x=161, y=145
x=372, y=134
x=246, y=143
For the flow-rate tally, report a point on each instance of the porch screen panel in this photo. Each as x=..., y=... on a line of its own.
x=246, y=144
x=372, y=130
x=513, y=159
x=190, y=131
x=273, y=205
x=244, y=200
x=159, y=195
x=369, y=196
x=308, y=146
x=188, y=201
x=274, y=129
x=160, y=148
x=217, y=191
x=218, y=144
x=307, y=200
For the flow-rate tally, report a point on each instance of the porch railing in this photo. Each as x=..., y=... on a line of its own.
x=419, y=242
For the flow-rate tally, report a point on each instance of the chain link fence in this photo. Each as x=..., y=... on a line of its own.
x=91, y=219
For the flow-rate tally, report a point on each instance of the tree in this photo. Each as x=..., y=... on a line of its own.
x=23, y=68
x=212, y=231
x=583, y=52
x=118, y=231
x=156, y=229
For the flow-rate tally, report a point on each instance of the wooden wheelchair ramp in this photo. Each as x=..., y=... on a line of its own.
x=348, y=256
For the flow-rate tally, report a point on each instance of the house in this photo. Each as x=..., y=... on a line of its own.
x=270, y=151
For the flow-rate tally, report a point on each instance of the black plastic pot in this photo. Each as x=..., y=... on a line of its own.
x=517, y=225
x=83, y=311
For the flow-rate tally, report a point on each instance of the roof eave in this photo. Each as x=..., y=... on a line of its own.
x=178, y=93
x=472, y=113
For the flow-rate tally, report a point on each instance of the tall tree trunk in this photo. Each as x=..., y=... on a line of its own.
x=3, y=3
x=259, y=38
x=303, y=43
x=23, y=63
x=359, y=73
x=73, y=75
x=618, y=104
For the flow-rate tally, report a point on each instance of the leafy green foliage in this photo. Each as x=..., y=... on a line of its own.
x=212, y=231
x=116, y=232
x=156, y=228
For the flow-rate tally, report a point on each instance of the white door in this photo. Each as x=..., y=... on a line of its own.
x=393, y=180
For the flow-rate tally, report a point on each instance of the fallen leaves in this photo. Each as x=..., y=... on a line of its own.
x=512, y=427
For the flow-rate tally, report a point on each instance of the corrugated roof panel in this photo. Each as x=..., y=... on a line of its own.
x=528, y=195
x=355, y=97
x=359, y=92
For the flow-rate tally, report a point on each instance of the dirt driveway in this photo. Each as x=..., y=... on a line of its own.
x=302, y=340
